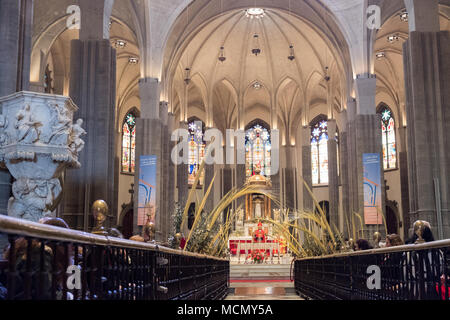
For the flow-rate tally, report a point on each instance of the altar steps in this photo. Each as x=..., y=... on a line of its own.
x=256, y=272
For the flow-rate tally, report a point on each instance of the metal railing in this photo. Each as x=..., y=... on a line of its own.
x=409, y=272
x=43, y=263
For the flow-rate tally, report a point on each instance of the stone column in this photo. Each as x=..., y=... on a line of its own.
x=149, y=141
x=427, y=74
x=92, y=88
x=226, y=179
x=351, y=161
x=209, y=175
x=16, y=22
x=290, y=179
x=333, y=179
x=165, y=158
x=403, y=165
x=368, y=140
x=182, y=177
x=344, y=177
x=308, y=204
x=171, y=173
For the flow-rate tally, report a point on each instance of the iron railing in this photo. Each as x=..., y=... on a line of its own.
x=40, y=256
x=409, y=272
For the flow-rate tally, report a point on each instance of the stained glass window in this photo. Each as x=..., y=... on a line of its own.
x=129, y=143
x=196, y=150
x=257, y=151
x=388, y=138
x=319, y=151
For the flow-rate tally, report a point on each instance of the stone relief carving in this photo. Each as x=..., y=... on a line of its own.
x=33, y=199
x=27, y=127
x=76, y=144
x=3, y=126
x=61, y=125
x=37, y=148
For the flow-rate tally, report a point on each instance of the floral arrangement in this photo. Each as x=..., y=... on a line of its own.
x=258, y=256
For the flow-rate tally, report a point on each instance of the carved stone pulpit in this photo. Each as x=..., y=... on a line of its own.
x=38, y=141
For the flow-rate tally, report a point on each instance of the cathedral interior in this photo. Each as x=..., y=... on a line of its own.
x=341, y=104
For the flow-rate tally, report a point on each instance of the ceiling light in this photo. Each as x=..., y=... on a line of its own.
x=257, y=85
x=256, y=50
x=133, y=60
x=120, y=44
x=327, y=77
x=187, y=78
x=404, y=16
x=392, y=38
x=380, y=55
x=222, y=57
x=255, y=13
x=292, y=53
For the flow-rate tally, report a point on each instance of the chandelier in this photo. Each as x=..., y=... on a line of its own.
x=222, y=57
x=256, y=50
x=187, y=78
x=291, y=53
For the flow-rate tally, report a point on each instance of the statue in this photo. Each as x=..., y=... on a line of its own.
x=77, y=144
x=27, y=128
x=100, y=212
x=61, y=125
x=148, y=231
x=259, y=235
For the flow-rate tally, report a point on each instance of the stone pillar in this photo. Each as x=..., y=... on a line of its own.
x=368, y=140
x=290, y=179
x=16, y=22
x=344, y=175
x=226, y=179
x=333, y=179
x=427, y=73
x=165, y=158
x=171, y=173
x=209, y=175
x=92, y=88
x=403, y=165
x=149, y=141
x=182, y=177
x=351, y=161
x=308, y=203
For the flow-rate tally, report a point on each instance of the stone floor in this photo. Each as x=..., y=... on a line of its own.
x=261, y=282
x=262, y=290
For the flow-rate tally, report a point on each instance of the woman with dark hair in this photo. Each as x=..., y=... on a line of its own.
x=363, y=244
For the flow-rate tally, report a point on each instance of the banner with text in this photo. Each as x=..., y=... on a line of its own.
x=373, y=213
x=147, y=189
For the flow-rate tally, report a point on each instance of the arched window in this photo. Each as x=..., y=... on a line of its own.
x=129, y=143
x=196, y=149
x=257, y=150
x=319, y=150
x=388, y=138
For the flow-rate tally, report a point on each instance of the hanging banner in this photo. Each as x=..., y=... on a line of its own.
x=147, y=189
x=373, y=213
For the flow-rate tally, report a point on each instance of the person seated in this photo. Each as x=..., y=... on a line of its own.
x=362, y=244
x=393, y=240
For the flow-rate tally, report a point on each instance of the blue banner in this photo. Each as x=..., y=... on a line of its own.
x=373, y=213
x=147, y=189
